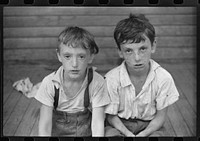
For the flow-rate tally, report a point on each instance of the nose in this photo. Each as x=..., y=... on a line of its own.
x=75, y=62
x=137, y=56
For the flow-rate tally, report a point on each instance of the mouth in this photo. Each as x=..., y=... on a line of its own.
x=74, y=71
x=138, y=65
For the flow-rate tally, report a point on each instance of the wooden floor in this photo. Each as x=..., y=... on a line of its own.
x=20, y=114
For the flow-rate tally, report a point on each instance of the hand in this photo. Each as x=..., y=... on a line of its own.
x=129, y=134
x=141, y=134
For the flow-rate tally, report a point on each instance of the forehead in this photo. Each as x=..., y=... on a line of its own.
x=130, y=44
x=73, y=49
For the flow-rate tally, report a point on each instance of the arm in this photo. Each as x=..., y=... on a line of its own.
x=155, y=124
x=98, y=117
x=115, y=121
x=45, y=121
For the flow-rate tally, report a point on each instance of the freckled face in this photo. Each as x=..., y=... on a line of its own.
x=75, y=61
x=137, y=55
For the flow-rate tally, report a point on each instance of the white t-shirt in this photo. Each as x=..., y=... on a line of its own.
x=97, y=92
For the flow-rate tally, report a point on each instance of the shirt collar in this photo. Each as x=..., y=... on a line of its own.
x=151, y=75
x=125, y=79
x=58, y=75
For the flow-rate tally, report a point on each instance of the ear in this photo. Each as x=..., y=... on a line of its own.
x=120, y=54
x=91, y=58
x=58, y=55
x=153, y=48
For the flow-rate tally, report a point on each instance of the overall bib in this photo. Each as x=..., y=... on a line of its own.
x=73, y=124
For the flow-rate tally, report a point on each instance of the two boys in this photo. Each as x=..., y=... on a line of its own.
x=139, y=89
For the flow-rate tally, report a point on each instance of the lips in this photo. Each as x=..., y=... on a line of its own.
x=74, y=71
x=138, y=65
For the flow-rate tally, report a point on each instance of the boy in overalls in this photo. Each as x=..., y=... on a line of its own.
x=73, y=97
x=140, y=89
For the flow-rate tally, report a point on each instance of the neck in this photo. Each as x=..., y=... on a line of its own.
x=68, y=80
x=138, y=74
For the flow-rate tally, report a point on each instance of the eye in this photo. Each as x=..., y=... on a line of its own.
x=82, y=56
x=67, y=56
x=128, y=51
x=143, y=48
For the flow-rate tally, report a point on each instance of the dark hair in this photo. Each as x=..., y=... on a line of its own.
x=134, y=29
x=76, y=36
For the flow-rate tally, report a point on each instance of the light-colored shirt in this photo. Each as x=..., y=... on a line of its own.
x=97, y=92
x=158, y=92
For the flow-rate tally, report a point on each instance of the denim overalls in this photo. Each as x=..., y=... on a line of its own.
x=73, y=124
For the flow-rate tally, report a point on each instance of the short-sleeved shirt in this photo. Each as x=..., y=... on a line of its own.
x=97, y=93
x=158, y=92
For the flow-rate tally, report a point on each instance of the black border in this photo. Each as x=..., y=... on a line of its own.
x=138, y=3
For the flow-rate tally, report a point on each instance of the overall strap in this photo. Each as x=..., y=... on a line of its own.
x=86, y=94
x=56, y=98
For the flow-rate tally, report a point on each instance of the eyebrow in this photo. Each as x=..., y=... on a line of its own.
x=67, y=53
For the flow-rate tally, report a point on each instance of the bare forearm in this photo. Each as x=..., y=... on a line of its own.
x=98, y=129
x=45, y=121
x=117, y=123
x=44, y=130
x=155, y=124
x=98, y=117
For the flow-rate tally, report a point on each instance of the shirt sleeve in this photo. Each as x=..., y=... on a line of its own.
x=100, y=95
x=113, y=107
x=167, y=93
x=45, y=93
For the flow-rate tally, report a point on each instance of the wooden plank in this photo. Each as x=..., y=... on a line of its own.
x=106, y=55
x=23, y=11
x=192, y=68
x=187, y=113
x=51, y=42
x=97, y=31
x=15, y=96
x=178, y=122
x=29, y=119
x=12, y=76
x=181, y=30
x=174, y=53
x=190, y=78
x=31, y=114
x=181, y=82
x=34, y=131
x=16, y=116
x=18, y=112
x=11, y=96
x=169, y=128
x=8, y=107
x=39, y=21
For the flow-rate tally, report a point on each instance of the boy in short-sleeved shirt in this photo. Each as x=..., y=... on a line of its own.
x=73, y=97
x=140, y=89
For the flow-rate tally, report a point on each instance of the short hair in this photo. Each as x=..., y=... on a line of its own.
x=75, y=36
x=133, y=29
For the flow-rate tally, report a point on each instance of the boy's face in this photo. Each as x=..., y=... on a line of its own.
x=137, y=55
x=75, y=61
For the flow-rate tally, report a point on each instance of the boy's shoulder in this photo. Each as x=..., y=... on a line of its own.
x=48, y=78
x=97, y=77
x=161, y=73
x=113, y=72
